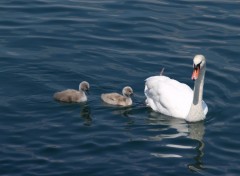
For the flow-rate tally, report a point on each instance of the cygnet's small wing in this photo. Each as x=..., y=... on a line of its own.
x=68, y=96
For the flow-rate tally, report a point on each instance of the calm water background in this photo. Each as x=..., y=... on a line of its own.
x=50, y=45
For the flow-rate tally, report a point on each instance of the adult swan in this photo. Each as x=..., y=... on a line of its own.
x=176, y=99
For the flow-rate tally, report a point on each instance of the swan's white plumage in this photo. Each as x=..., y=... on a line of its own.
x=176, y=99
x=169, y=96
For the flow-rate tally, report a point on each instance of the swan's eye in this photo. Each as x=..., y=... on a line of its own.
x=197, y=66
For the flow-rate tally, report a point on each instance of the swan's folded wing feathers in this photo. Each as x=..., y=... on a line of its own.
x=177, y=97
x=168, y=96
x=153, y=91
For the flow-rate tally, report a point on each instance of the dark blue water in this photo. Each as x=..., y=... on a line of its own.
x=51, y=45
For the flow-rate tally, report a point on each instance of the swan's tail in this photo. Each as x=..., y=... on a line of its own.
x=161, y=73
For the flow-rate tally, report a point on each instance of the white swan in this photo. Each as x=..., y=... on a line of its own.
x=117, y=99
x=73, y=96
x=176, y=99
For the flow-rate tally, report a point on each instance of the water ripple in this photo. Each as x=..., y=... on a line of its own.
x=47, y=46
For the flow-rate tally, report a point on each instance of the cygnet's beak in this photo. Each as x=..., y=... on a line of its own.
x=87, y=91
x=129, y=95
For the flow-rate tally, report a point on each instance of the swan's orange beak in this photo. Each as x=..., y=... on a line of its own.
x=195, y=73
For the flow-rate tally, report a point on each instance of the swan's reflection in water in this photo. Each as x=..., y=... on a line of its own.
x=85, y=113
x=194, y=131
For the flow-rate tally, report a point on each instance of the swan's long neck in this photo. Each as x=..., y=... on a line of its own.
x=196, y=112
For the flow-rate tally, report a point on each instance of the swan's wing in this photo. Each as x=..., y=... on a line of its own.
x=168, y=96
x=153, y=100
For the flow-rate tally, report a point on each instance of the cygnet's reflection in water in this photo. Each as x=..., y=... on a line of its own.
x=124, y=111
x=181, y=128
x=86, y=114
x=118, y=110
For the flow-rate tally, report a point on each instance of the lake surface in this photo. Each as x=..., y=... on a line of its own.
x=51, y=45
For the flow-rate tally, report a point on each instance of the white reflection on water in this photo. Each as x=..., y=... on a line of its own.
x=166, y=155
